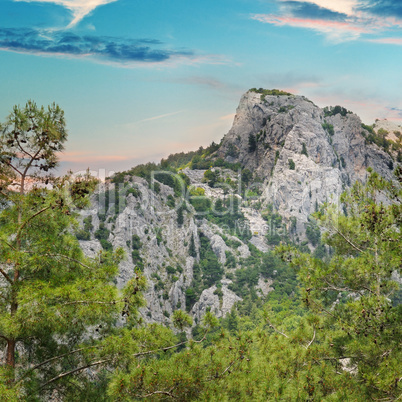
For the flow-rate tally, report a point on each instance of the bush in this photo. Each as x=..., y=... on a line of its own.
x=171, y=203
x=334, y=110
x=134, y=191
x=292, y=165
x=313, y=234
x=304, y=149
x=329, y=128
x=107, y=246
x=102, y=233
x=232, y=151
x=252, y=143
x=136, y=242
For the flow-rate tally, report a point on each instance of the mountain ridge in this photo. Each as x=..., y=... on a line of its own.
x=202, y=231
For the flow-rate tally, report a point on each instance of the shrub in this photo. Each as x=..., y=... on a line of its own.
x=329, y=128
x=304, y=149
x=232, y=151
x=252, y=143
x=292, y=165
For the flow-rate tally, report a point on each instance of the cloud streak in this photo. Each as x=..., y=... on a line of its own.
x=387, y=41
x=103, y=48
x=78, y=8
x=338, y=21
x=161, y=116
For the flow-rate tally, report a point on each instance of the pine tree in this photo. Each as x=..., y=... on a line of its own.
x=252, y=143
x=356, y=292
x=192, y=250
x=50, y=293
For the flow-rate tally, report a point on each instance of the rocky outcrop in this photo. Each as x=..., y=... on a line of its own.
x=303, y=156
x=299, y=156
x=211, y=301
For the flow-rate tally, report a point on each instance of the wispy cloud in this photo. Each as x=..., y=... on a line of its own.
x=382, y=8
x=89, y=157
x=153, y=118
x=161, y=116
x=339, y=21
x=78, y=8
x=339, y=6
x=102, y=48
x=387, y=41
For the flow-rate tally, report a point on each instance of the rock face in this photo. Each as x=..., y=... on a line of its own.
x=210, y=301
x=299, y=155
x=303, y=156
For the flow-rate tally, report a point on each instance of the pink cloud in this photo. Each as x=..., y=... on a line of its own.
x=89, y=158
x=228, y=117
x=351, y=28
x=336, y=30
x=387, y=41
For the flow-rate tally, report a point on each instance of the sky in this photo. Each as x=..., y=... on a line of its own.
x=141, y=79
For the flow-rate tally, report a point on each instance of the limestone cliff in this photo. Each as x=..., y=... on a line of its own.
x=298, y=155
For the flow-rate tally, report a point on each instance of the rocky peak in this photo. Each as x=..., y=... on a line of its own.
x=304, y=155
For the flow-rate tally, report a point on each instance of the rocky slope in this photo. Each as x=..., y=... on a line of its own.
x=299, y=156
x=329, y=152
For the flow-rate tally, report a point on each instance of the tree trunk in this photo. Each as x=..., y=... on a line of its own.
x=10, y=360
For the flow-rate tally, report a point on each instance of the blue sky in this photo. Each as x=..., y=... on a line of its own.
x=139, y=80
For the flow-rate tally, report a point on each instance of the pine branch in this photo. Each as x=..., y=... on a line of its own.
x=167, y=393
x=311, y=341
x=276, y=330
x=90, y=302
x=63, y=256
x=346, y=239
x=30, y=218
x=13, y=167
x=6, y=276
x=56, y=358
x=58, y=377
x=149, y=352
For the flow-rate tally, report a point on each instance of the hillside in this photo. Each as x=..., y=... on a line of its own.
x=202, y=231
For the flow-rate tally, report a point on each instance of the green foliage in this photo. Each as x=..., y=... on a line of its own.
x=199, y=201
x=313, y=233
x=292, y=165
x=285, y=109
x=230, y=260
x=158, y=234
x=191, y=298
x=354, y=292
x=51, y=293
x=180, y=215
x=252, y=143
x=207, y=272
x=376, y=138
x=304, y=149
x=102, y=233
x=246, y=176
x=231, y=217
x=329, y=128
x=192, y=250
x=85, y=232
x=268, y=92
x=181, y=320
x=171, y=203
x=134, y=191
x=211, y=177
x=334, y=110
x=232, y=151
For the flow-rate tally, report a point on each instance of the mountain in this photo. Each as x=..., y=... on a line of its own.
x=203, y=226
